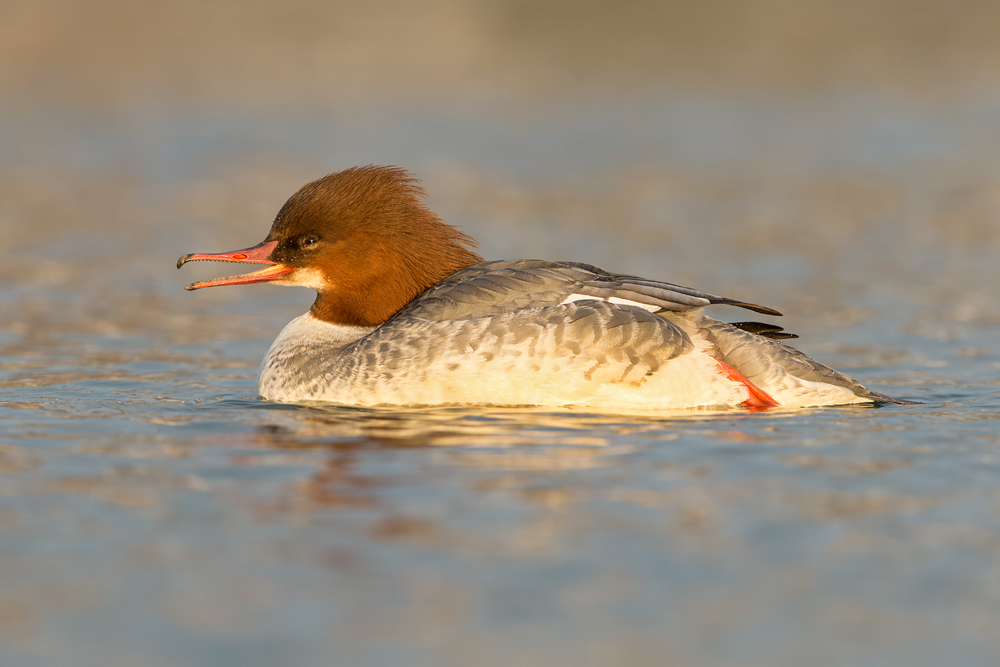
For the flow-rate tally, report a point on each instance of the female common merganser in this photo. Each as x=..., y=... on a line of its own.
x=407, y=313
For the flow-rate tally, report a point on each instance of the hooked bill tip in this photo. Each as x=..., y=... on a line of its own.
x=183, y=260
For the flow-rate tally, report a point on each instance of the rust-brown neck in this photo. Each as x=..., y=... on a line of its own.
x=369, y=294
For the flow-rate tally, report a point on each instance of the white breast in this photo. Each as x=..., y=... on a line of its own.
x=298, y=352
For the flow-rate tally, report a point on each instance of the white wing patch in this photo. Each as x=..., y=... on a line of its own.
x=626, y=302
x=614, y=299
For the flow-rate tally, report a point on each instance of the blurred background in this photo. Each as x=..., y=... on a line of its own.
x=775, y=127
x=838, y=161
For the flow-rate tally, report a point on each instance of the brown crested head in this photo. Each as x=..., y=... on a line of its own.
x=365, y=240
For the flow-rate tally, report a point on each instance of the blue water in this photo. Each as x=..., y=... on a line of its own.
x=154, y=512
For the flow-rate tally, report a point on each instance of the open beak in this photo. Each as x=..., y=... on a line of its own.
x=255, y=255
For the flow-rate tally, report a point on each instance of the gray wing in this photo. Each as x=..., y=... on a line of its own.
x=605, y=342
x=493, y=288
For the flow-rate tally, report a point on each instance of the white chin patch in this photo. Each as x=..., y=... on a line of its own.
x=313, y=278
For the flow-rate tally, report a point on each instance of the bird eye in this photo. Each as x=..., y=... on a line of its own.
x=308, y=241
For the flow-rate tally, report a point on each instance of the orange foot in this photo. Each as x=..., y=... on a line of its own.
x=759, y=399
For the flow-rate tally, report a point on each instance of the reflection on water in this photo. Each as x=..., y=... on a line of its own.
x=449, y=527
x=466, y=426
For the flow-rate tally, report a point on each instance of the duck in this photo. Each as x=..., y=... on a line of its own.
x=407, y=313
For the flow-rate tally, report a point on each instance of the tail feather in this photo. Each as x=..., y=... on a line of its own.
x=762, y=359
x=766, y=330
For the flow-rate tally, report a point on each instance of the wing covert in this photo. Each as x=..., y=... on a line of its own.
x=493, y=288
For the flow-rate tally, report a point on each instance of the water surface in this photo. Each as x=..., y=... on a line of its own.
x=154, y=512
